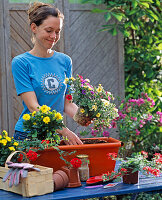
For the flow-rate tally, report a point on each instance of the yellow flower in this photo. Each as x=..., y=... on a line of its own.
x=0, y=136
x=15, y=143
x=66, y=80
x=11, y=148
x=99, y=89
x=46, y=120
x=44, y=108
x=5, y=132
x=58, y=116
x=98, y=115
x=72, y=78
x=26, y=117
x=94, y=107
x=8, y=139
x=82, y=110
x=34, y=123
x=33, y=113
x=4, y=142
x=106, y=103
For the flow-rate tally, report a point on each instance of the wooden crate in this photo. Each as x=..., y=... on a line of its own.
x=36, y=183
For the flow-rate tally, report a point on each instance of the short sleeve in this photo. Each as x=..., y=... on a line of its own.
x=68, y=72
x=20, y=71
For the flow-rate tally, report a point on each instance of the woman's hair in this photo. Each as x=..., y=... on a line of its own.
x=38, y=12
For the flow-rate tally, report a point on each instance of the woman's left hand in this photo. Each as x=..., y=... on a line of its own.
x=71, y=138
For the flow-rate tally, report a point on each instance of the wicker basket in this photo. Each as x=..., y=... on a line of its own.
x=36, y=183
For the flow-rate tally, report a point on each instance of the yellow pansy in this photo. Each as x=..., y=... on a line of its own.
x=4, y=142
x=11, y=148
x=99, y=89
x=26, y=117
x=72, y=78
x=58, y=116
x=46, y=120
x=82, y=110
x=98, y=115
x=66, y=80
x=5, y=132
x=106, y=103
x=94, y=107
x=0, y=136
x=8, y=139
x=33, y=113
x=16, y=144
x=44, y=108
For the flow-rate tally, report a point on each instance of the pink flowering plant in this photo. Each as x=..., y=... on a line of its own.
x=137, y=126
x=138, y=162
x=93, y=101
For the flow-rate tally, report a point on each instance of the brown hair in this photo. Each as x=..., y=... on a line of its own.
x=38, y=12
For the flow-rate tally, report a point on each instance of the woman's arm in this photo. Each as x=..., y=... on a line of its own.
x=30, y=100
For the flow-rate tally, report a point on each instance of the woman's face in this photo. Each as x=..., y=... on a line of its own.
x=48, y=33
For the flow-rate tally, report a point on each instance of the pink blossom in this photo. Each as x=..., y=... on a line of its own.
x=159, y=113
x=149, y=118
x=142, y=122
x=106, y=134
x=137, y=132
x=141, y=125
x=114, y=125
x=134, y=118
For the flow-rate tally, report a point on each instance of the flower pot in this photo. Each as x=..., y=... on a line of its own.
x=60, y=179
x=81, y=118
x=97, y=153
x=73, y=175
x=131, y=178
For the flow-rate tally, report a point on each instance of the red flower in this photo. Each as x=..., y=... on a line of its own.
x=144, y=153
x=69, y=97
x=155, y=172
x=76, y=162
x=20, y=158
x=46, y=141
x=112, y=156
x=32, y=155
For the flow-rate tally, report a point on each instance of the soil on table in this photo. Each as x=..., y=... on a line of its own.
x=95, y=141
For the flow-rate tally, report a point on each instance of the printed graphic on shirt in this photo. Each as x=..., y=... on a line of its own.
x=51, y=83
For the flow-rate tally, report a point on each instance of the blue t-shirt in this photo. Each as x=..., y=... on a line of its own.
x=44, y=76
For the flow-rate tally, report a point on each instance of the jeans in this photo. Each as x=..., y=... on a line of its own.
x=20, y=136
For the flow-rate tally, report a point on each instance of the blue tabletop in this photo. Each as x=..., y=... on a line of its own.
x=146, y=184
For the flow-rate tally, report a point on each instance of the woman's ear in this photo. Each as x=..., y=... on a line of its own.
x=33, y=27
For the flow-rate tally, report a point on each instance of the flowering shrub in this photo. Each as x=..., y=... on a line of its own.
x=93, y=101
x=139, y=162
x=76, y=162
x=7, y=146
x=138, y=128
x=43, y=124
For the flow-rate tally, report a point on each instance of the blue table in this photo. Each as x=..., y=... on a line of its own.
x=146, y=184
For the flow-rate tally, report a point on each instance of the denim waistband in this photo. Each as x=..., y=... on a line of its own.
x=20, y=136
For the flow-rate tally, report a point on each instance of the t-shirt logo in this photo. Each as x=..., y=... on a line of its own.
x=51, y=84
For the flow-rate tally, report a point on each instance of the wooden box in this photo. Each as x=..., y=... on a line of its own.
x=36, y=183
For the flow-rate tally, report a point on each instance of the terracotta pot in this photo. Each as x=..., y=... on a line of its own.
x=131, y=178
x=99, y=163
x=81, y=119
x=60, y=179
x=73, y=174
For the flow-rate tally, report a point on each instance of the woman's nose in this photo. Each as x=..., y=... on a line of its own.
x=53, y=35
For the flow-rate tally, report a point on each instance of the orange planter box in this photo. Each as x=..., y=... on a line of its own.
x=99, y=163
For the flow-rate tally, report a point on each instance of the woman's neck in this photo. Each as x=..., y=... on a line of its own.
x=42, y=54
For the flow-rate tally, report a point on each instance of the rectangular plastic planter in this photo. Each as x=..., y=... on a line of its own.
x=99, y=163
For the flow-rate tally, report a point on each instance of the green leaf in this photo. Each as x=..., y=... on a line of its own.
x=134, y=4
x=145, y=4
x=107, y=16
x=132, y=26
x=97, y=10
x=159, y=46
x=117, y=16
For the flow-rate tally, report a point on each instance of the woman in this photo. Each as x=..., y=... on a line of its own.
x=40, y=73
